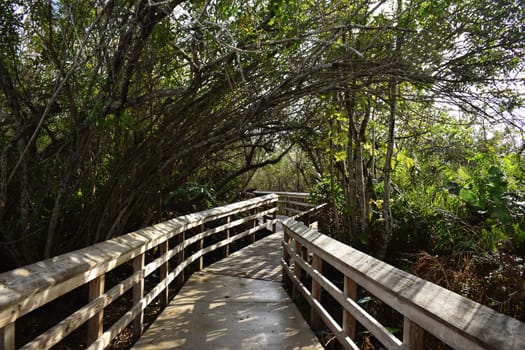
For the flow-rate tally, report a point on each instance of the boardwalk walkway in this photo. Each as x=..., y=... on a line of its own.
x=236, y=303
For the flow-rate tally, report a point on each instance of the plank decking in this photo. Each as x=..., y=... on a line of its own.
x=236, y=303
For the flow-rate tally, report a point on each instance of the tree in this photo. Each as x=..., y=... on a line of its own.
x=108, y=108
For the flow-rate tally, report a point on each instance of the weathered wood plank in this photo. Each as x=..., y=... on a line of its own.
x=413, y=335
x=52, y=336
x=457, y=321
x=369, y=322
x=227, y=226
x=226, y=248
x=7, y=337
x=335, y=328
x=135, y=311
x=138, y=293
x=315, y=319
x=349, y=321
x=302, y=195
x=25, y=289
x=180, y=257
x=201, y=246
x=163, y=272
x=95, y=324
x=298, y=248
x=287, y=241
x=233, y=311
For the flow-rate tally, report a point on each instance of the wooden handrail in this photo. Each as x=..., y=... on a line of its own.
x=299, y=195
x=27, y=288
x=295, y=205
x=455, y=320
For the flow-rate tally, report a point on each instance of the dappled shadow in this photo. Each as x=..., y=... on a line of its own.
x=260, y=260
x=236, y=303
x=227, y=312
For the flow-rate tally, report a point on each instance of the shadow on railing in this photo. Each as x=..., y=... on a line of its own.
x=158, y=257
x=426, y=308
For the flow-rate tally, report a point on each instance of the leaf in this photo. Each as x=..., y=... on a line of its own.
x=494, y=170
x=340, y=156
x=469, y=197
x=463, y=174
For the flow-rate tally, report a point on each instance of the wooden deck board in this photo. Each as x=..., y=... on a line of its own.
x=260, y=260
x=236, y=303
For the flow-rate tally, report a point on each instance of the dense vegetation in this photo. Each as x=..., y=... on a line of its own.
x=407, y=116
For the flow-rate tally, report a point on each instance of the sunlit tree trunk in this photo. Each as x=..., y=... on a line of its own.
x=386, y=234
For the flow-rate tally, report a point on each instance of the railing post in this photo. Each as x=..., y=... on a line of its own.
x=297, y=268
x=7, y=337
x=138, y=294
x=252, y=236
x=201, y=246
x=413, y=335
x=96, y=323
x=181, y=237
x=163, y=271
x=226, y=248
x=274, y=225
x=349, y=322
x=286, y=255
x=315, y=319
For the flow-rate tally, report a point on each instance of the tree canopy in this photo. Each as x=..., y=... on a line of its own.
x=109, y=109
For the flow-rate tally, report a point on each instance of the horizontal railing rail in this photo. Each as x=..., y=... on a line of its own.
x=172, y=248
x=295, y=205
x=426, y=307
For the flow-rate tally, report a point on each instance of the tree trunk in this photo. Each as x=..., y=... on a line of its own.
x=333, y=204
x=386, y=234
x=350, y=191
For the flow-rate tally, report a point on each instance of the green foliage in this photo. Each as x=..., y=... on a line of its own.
x=122, y=102
x=328, y=190
x=474, y=206
x=493, y=194
x=191, y=197
x=294, y=173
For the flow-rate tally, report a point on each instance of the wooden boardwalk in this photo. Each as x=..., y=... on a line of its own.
x=236, y=303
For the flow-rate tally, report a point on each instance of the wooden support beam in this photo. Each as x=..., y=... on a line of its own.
x=180, y=258
x=286, y=256
x=201, y=246
x=349, y=322
x=138, y=294
x=96, y=323
x=252, y=236
x=163, y=272
x=315, y=318
x=297, y=269
x=226, y=249
x=30, y=287
x=7, y=337
x=413, y=335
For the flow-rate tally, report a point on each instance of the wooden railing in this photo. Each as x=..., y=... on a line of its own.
x=454, y=320
x=295, y=205
x=171, y=247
